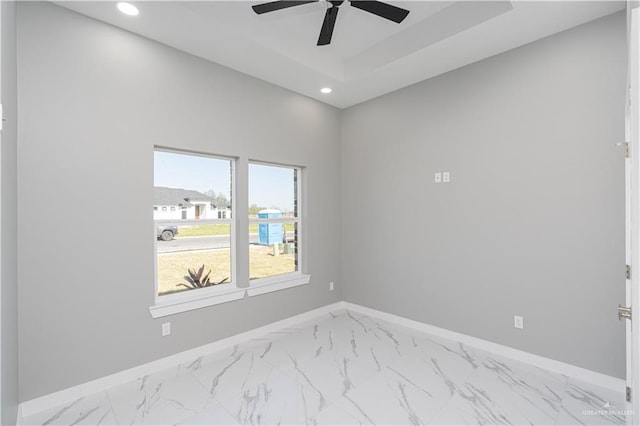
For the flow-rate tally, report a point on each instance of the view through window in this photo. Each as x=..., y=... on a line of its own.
x=192, y=213
x=273, y=220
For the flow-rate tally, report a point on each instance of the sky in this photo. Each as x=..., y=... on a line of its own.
x=269, y=186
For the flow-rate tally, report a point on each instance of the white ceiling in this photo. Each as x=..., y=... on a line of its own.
x=368, y=56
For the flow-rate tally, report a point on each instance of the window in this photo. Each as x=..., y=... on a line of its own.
x=274, y=227
x=195, y=242
x=193, y=247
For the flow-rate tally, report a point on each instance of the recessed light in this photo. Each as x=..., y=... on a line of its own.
x=325, y=90
x=127, y=8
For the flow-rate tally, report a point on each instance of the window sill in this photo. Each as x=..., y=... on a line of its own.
x=183, y=302
x=269, y=285
x=196, y=299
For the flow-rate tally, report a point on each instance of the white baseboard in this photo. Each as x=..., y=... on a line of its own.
x=19, y=419
x=55, y=399
x=560, y=367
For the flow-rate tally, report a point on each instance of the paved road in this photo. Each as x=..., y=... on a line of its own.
x=198, y=243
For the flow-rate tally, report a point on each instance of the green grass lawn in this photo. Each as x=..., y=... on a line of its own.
x=172, y=267
x=206, y=229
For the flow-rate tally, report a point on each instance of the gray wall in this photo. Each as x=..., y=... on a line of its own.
x=93, y=102
x=533, y=220
x=9, y=280
x=531, y=224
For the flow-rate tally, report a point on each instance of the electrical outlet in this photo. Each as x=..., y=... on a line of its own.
x=166, y=329
x=446, y=177
x=518, y=321
x=437, y=177
x=331, y=286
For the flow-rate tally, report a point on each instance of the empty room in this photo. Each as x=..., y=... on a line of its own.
x=319, y=212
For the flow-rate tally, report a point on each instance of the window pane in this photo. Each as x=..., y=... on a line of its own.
x=193, y=247
x=196, y=186
x=273, y=249
x=272, y=188
x=189, y=188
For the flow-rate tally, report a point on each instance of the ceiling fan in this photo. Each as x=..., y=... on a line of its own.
x=383, y=10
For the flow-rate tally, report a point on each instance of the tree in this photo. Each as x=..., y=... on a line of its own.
x=219, y=200
x=254, y=209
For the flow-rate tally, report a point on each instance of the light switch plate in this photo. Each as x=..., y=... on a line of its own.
x=437, y=177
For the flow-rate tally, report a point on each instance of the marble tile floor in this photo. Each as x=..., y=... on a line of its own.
x=346, y=368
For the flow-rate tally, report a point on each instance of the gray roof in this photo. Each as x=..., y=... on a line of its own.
x=163, y=196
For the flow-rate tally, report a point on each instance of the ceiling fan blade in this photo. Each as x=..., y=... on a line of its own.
x=280, y=4
x=326, y=32
x=383, y=10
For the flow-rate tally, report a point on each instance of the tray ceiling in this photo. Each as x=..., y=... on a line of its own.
x=368, y=56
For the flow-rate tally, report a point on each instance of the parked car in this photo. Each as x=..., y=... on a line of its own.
x=166, y=232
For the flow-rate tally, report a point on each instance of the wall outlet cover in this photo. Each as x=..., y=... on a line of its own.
x=518, y=321
x=166, y=329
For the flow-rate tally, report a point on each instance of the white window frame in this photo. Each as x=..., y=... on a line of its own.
x=188, y=300
x=292, y=279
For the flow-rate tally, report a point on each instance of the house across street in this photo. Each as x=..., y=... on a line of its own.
x=187, y=204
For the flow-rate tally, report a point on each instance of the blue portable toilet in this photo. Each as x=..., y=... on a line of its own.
x=269, y=233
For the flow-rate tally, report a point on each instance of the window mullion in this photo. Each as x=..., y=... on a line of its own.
x=242, y=221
